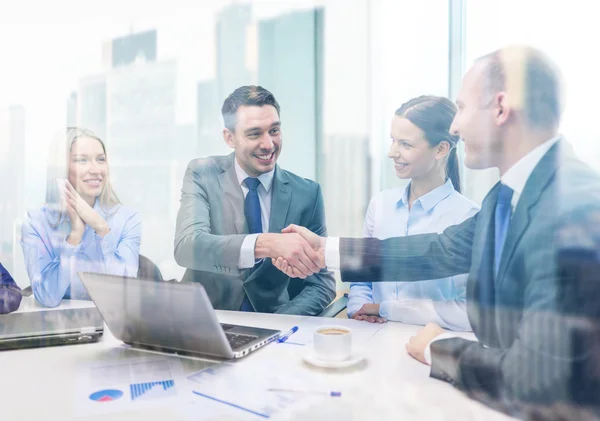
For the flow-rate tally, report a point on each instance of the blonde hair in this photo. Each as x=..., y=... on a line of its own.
x=59, y=159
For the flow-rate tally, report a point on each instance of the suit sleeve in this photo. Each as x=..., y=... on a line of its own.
x=319, y=289
x=540, y=366
x=195, y=246
x=411, y=258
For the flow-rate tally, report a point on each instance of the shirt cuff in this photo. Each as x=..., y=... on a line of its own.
x=247, y=259
x=385, y=309
x=332, y=253
x=109, y=243
x=70, y=249
x=427, y=352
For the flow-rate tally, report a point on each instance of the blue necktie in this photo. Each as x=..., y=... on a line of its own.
x=501, y=221
x=252, y=206
x=254, y=220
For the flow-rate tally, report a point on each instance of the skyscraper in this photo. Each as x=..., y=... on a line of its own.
x=290, y=60
x=233, y=23
x=141, y=101
x=140, y=46
x=209, y=122
x=91, y=104
x=12, y=172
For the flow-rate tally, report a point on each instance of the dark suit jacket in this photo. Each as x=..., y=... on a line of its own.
x=211, y=227
x=9, y=300
x=526, y=350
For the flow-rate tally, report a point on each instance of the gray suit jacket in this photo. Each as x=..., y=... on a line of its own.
x=211, y=227
x=526, y=351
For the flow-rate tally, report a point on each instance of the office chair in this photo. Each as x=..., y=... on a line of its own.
x=148, y=270
x=333, y=309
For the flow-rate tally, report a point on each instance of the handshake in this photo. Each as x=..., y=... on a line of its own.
x=297, y=252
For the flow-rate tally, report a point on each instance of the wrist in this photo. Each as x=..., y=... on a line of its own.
x=74, y=238
x=323, y=242
x=263, y=245
x=102, y=230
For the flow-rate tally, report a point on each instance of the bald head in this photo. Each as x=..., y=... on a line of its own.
x=530, y=81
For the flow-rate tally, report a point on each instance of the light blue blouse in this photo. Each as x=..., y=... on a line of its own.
x=441, y=301
x=52, y=263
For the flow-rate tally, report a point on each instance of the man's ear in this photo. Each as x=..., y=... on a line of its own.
x=502, y=107
x=228, y=138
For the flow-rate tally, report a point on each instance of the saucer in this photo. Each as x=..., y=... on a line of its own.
x=312, y=359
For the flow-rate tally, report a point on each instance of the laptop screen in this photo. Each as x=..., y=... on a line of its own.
x=50, y=322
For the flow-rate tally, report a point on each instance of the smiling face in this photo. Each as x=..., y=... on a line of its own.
x=88, y=167
x=256, y=138
x=412, y=155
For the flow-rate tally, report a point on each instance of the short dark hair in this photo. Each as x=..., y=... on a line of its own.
x=246, y=95
x=539, y=80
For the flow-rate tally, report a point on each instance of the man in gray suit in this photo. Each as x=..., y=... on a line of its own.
x=536, y=333
x=233, y=209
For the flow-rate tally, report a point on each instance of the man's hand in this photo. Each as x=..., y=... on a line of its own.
x=416, y=344
x=292, y=248
x=317, y=243
x=369, y=313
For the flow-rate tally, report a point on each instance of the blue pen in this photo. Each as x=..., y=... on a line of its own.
x=286, y=335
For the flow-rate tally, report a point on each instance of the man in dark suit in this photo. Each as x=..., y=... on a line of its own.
x=233, y=209
x=529, y=349
x=10, y=297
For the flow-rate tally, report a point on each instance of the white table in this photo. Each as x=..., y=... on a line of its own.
x=37, y=384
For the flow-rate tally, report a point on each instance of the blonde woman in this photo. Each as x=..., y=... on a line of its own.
x=82, y=227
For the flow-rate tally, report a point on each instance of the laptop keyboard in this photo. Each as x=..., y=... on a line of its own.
x=238, y=341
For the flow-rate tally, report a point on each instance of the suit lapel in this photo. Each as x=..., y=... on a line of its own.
x=234, y=197
x=280, y=201
x=535, y=186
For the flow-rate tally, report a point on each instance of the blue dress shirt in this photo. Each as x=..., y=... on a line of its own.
x=441, y=301
x=52, y=263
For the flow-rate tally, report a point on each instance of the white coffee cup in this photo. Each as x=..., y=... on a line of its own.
x=333, y=343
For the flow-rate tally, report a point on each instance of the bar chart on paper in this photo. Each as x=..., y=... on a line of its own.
x=152, y=390
x=115, y=384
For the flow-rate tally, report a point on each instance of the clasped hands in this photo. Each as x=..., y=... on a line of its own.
x=298, y=252
x=80, y=214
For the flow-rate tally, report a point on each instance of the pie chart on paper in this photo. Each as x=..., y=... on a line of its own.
x=107, y=395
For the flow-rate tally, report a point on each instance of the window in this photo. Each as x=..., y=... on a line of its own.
x=567, y=32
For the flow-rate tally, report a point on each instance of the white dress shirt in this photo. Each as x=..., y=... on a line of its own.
x=516, y=177
x=441, y=301
x=247, y=259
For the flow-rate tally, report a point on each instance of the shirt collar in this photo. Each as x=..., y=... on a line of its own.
x=516, y=177
x=430, y=200
x=266, y=179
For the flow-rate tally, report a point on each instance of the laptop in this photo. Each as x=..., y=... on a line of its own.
x=169, y=317
x=32, y=326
